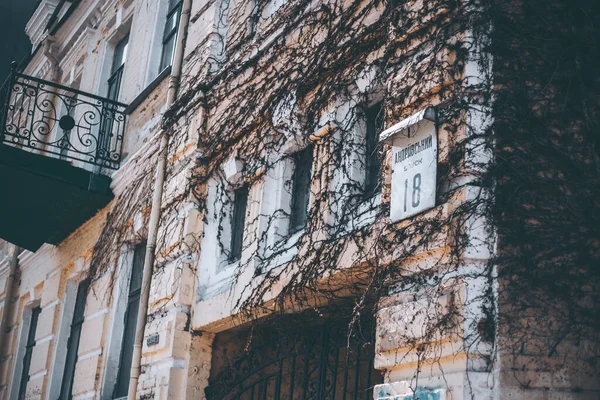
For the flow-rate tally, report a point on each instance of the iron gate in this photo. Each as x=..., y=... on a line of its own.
x=313, y=364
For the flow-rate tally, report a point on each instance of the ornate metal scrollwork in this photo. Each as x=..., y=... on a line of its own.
x=56, y=120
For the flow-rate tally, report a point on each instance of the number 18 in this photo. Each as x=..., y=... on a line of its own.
x=416, y=191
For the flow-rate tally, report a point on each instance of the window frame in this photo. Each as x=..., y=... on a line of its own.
x=116, y=71
x=238, y=222
x=76, y=326
x=29, y=346
x=374, y=120
x=354, y=203
x=170, y=35
x=299, y=213
x=133, y=299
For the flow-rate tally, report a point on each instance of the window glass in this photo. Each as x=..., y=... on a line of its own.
x=116, y=72
x=301, y=188
x=170, y=34
x=138, y=267
x=238, y=220
x=374, y=125
x=120, y=54
x=35, y=313
x=254, y=17
x=167, y=54
x=73, y=343
x=133, y=305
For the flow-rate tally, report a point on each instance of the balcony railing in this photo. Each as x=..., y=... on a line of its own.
x=62, y=122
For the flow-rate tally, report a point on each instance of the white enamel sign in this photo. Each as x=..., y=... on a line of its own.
x=414, y=169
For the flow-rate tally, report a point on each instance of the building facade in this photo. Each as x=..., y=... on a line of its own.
x=306, y=183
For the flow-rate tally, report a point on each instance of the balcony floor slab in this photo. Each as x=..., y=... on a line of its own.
x=45, y=199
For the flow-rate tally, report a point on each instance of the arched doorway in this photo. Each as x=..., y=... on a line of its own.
x=292, y=358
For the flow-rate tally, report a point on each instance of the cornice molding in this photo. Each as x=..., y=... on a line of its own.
x=36, y=26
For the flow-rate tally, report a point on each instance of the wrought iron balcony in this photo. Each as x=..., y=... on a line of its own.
x=62, y=122
x=56, y=146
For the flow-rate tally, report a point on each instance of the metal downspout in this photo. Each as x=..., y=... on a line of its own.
x=10, y=281
x=153, y=223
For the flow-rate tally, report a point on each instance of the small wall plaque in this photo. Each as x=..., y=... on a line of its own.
x=152, y=340
x=414, y=164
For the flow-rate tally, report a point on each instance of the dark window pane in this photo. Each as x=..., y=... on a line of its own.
x=301, y=188
x=170, y=34
x=374, y=122
x=254, y=18
x=35, y=313
x=167, y=53
x=174, y=3
x=133, y=305
x=114, y=85
x=171, y=23
x=127, y=347
x=139, y=254
x=120, y=54
x=116, y=71
x=238, y=219
x=73, y=343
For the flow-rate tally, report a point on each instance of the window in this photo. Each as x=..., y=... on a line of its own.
x=238, y=218
x=73, y=344
x=114, y=87
x=170, y=34
x=254, y=17
x=35, y=313
x=116, y=70
x=374, y=124
x=131, y=314
x=300, y=188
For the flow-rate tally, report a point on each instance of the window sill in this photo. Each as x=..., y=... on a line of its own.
x=139, y=99
x=366, y=213
x=227, y=264
x=281, y=253
x=292, y=239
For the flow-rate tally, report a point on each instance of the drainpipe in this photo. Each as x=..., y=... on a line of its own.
x=153, y=223
x=10, y=282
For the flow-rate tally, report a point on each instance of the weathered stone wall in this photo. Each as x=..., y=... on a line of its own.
x=546, y=122
x=459, y=374
x=83, y=45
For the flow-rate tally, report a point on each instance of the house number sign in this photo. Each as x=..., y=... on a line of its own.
x=414, y=164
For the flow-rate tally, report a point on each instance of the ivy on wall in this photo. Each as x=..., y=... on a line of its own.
x=516, y=87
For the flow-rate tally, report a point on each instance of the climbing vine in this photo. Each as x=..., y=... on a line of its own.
x=506, y=263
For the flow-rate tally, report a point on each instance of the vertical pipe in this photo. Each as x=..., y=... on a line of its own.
x=179, y=52
x=10, y=281
x=153, y=224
